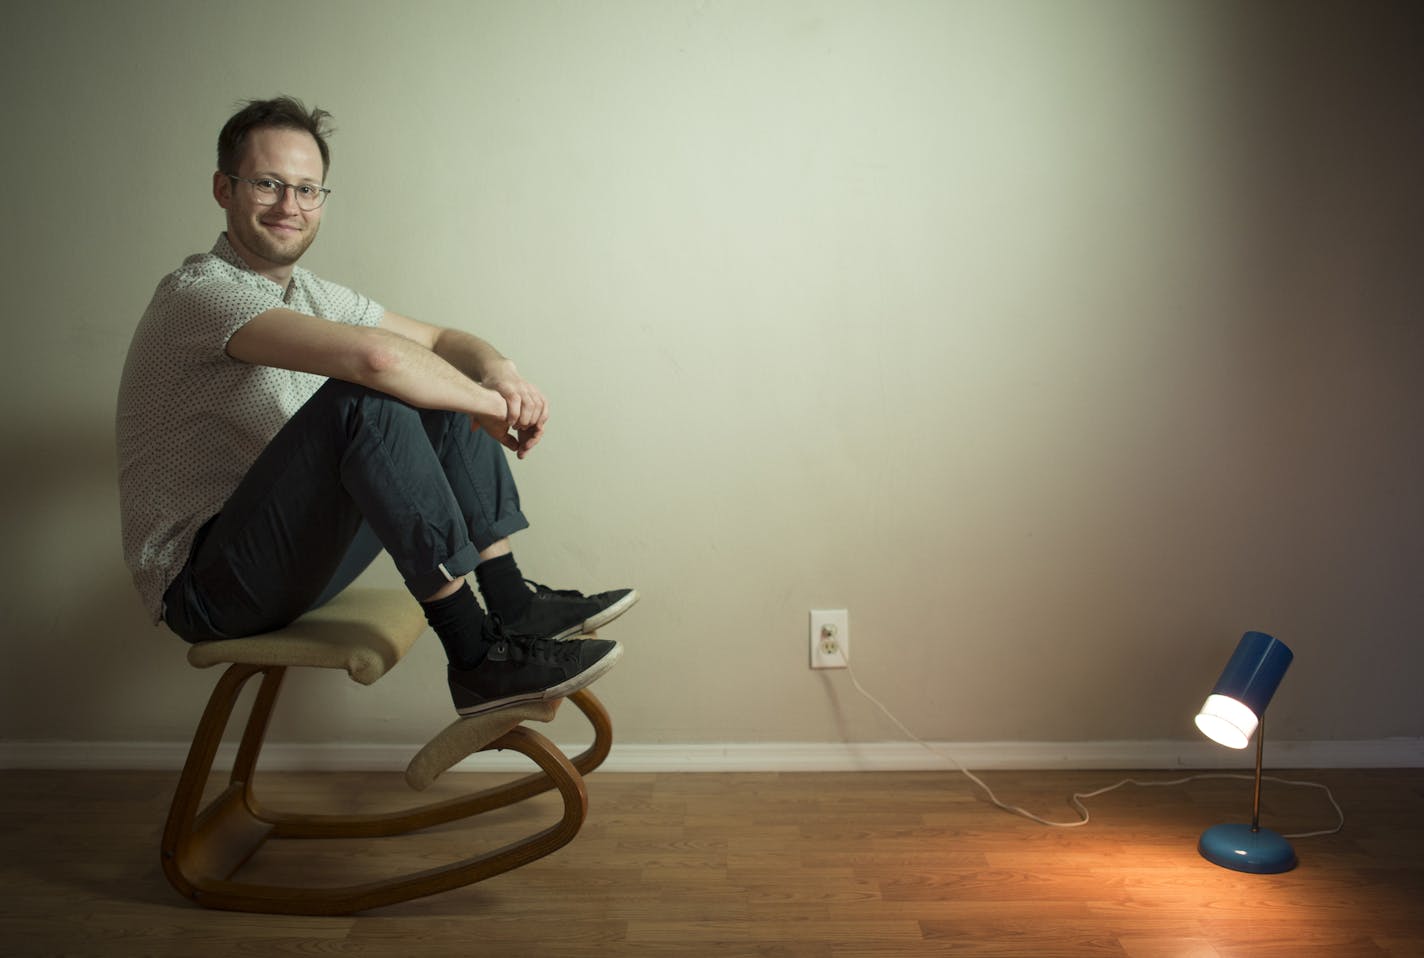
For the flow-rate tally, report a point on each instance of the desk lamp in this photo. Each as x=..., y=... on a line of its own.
x=1233, y=712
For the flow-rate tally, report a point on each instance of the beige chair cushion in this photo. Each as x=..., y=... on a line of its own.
x=365, y=631
x=465, y=736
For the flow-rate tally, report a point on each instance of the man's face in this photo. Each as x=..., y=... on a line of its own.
x=272, y=238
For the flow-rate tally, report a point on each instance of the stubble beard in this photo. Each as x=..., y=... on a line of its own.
x=283, y=253
x=258, y=242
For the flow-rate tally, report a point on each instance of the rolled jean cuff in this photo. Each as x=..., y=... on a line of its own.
x=502, y=528
x=457, y=566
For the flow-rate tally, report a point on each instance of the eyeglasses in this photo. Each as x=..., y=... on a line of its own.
x=269, y=191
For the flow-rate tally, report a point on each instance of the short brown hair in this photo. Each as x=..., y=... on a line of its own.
x=283, y=112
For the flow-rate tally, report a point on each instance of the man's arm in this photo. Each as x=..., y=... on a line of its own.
x=528, y=410
x=381, y=359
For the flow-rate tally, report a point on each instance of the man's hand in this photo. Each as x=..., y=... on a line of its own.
x=517, y=441
x=526, y=410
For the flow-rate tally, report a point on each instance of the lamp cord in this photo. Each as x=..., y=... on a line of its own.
x=1078, y=797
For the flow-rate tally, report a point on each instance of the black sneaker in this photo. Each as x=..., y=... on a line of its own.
x=522, y=669
x=560, y=613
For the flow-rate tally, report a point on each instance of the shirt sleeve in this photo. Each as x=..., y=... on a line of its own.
x=340, y=304
x=205, y=313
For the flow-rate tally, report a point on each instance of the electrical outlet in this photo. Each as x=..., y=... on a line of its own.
x=830, y=638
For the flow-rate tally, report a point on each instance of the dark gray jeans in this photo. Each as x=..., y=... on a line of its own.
x=353, y=471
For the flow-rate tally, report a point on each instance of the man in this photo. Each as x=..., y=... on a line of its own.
x=276, y=430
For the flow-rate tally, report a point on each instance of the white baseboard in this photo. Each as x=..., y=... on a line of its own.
x=751, y=757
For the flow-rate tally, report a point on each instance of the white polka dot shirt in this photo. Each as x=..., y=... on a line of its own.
x=191, y=419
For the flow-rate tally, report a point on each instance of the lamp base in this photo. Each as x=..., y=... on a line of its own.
x=1238, y=847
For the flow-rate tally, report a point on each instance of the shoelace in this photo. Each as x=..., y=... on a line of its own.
x=494, y=629
x=544, y=589
x=519, y=648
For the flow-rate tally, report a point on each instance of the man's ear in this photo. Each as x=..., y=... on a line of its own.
x=222, y=189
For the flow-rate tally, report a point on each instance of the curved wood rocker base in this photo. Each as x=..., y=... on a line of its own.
x=203, y=848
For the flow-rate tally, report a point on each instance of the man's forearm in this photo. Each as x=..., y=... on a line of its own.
x=427, y=379
x=471, y=355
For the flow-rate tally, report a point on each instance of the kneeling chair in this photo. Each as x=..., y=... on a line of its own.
x=366, y=632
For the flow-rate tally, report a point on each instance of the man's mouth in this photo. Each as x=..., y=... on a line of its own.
x=281, y=227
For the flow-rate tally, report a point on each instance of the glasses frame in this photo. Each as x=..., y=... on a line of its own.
x=322, y=192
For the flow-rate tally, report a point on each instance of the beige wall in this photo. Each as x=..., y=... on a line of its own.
x=1061, y=342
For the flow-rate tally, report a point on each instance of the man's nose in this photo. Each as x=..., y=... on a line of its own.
x=287, y=202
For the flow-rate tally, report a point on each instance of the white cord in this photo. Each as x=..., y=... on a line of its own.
x=1077, y=799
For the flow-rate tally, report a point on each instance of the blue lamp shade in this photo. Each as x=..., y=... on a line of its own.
x=1234, y=708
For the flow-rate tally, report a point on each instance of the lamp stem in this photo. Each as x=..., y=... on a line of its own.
x=1256, y=799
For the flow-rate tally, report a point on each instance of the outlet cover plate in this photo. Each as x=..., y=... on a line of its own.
x=838, y=621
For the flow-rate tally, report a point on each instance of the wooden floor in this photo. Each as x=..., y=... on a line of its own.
x=814, y=865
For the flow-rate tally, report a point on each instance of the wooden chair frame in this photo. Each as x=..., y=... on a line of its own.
x=203, y=848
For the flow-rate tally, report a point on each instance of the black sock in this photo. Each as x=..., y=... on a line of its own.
x=502, y=585
x=459, y=622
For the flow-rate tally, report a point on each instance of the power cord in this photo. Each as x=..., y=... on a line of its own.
x=1078, y=797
